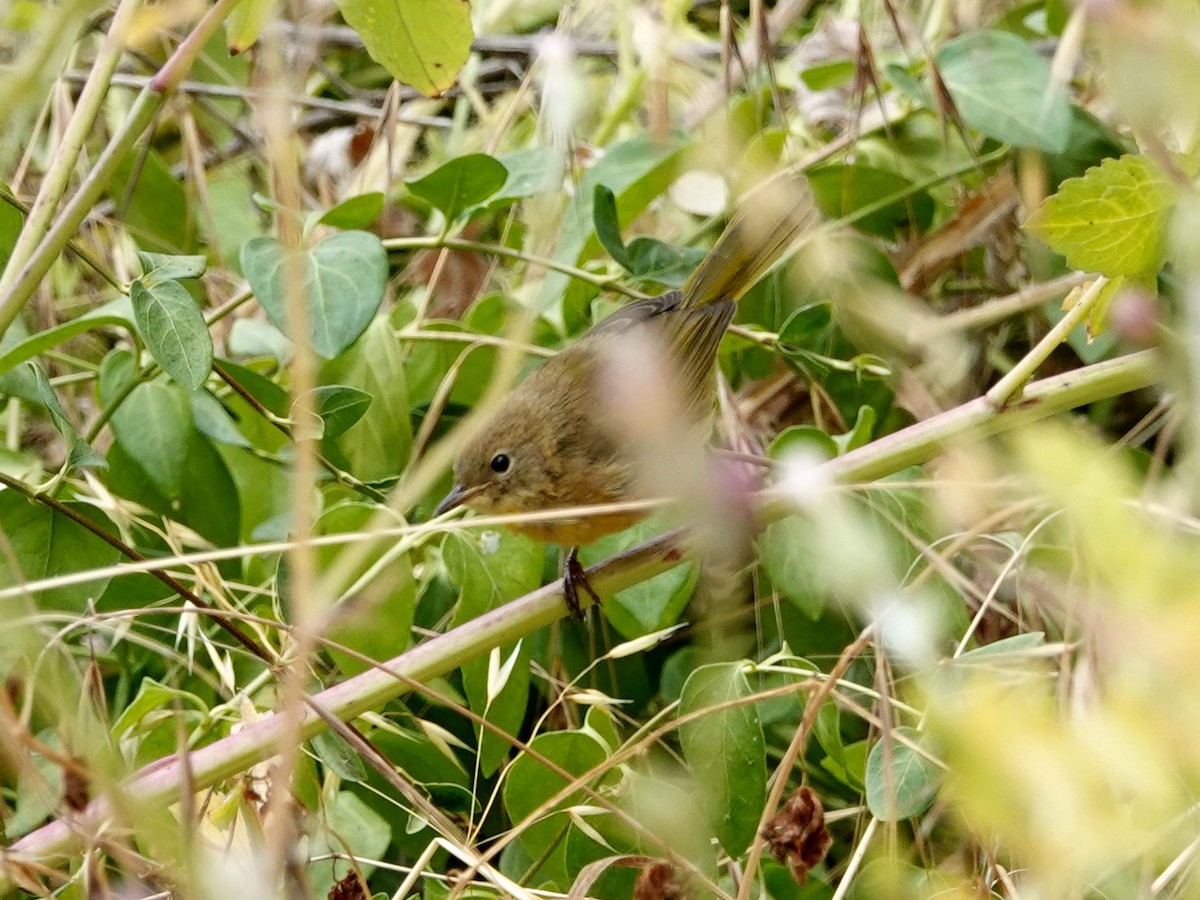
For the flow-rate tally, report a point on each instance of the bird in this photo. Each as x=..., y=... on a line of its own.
x=550, y=443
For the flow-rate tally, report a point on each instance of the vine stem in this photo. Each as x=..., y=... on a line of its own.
x=160, y=783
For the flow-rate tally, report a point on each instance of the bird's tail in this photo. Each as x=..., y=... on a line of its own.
x=757, y=236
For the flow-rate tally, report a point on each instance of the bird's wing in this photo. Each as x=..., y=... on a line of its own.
x=689, y=335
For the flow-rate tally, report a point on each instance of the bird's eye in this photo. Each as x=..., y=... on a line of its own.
x=500, y=463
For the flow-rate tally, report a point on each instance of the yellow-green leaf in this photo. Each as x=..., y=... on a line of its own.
x=246, y=22
x=1111, y=219
x=422, y=43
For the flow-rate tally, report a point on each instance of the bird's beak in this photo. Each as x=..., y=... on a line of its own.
x=457, y=497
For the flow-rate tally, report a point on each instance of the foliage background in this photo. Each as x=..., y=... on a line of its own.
x=251, y=299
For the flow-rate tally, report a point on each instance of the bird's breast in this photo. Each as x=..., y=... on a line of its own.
x=578, y=531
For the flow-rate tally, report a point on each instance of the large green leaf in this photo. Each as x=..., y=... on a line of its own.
x=154, y=426
x=343, y=277
x=389, y=597
x=726, y=752
x=1110, y=220
x=1003, y=89
x=901, y=782
x=152, y=203
x=422, y=43
x=375, y=445
x=461, y=183
x=41, y=542
x=116, y=313
x=208, y=500
x=531, y=783
x=173, y=328
x=786, y=549
x=490, y=569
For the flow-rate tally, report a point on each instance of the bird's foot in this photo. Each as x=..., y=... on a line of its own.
x=575, y=578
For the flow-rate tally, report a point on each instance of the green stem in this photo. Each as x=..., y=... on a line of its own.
x=79, y=129
x=202, y=605
x=1009, y=386
x=160, y=783
x=20, y=287
x=608, y=282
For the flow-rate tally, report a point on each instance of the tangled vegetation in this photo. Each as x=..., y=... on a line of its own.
x=926, y=624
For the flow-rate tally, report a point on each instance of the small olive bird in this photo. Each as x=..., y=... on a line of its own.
x=550, y=444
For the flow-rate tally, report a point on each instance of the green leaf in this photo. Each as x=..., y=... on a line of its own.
x=174, y=330
x=726, y=752
x=340, y=407
x=1111, y=220
x=152, y=203
x=344, y=277
x=636, y=171
x=80, y=454
x=828, y=75
x=170, y=267
x=841, y=191
x=116, y=313
x=786, y=549
x=662, y=262
x=214, y=421
x=860, y=433
x=245, y=22
x=649, y=605
x=154, y=426
x=530, y=782
x=901, y=783
x=339, y=757
x=11, y=221
x=152, y=697
x=422, y=43
x=608, y=229
x=461, y=183
x=256, y=338
x=1016, y=646
x=354, y=212
x=531, y=171
x=1003, y=89
x=807, y=328
x=350, y=829
x=803, y=438
x=208, y=501
x=490, y=569
x=376, y=446
x=390, y=598
x=41, y=542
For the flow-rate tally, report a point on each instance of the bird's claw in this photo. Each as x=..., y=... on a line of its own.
x=575, y=578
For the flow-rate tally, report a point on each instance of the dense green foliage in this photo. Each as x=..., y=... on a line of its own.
x=252, y=301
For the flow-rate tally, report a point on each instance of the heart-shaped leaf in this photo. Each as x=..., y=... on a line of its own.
x=343, y=276
x=174, y=330
x=463, y=182
x=154, y=426
x=340, y=407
